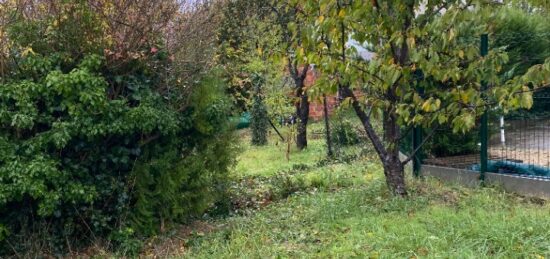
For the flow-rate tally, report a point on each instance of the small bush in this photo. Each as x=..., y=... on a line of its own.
x=126, y=241
x=343, y=133
x=285, y=185
x=447, y=143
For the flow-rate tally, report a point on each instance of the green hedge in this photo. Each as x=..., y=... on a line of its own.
x=76, y=163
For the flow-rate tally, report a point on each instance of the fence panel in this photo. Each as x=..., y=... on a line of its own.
x=520, y=144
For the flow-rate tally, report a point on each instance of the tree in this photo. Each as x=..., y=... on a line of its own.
x=261, y=29
x=417, y=63
x=288, y=17
x=242, y=34
x=192, y=40
x=526, y=36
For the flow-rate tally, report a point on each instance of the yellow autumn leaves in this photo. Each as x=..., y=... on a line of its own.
x=431, y=105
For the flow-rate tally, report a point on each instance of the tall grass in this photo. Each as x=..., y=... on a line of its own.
x=313, y=207
x=437, y=221
x=342, y=209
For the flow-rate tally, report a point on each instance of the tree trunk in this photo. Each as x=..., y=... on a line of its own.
x=327, y=127
x=393, y=168
x=302, y=111
x=302, y=107
x=395, y=176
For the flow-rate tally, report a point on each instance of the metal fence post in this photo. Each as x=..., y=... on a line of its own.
x=416, y=142
x=417, y=137
x=483, y=133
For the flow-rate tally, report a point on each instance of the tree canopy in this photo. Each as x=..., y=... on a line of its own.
x=425, y=68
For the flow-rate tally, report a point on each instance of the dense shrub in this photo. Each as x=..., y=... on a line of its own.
x=444, y=143
x=447, y=143
x=74, y=158
x=172, y=185
x=93, y=148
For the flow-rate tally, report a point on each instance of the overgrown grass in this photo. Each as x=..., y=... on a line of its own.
x=270, y=159
x=363, y=221
x=310, y=207
x=343, y=209
x=264, y=174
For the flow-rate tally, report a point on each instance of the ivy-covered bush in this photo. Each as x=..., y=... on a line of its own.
x=78, y=160
x=93, y=148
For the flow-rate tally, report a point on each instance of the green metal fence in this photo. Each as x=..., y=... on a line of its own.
x=517, y=143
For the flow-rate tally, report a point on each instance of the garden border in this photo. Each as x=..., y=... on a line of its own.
x=527, y=186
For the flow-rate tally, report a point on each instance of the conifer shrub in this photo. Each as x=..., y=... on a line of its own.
x=258, y=114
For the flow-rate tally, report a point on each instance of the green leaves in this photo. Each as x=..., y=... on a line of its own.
x=70, y=140
x=463, y=122
x=91, y=62
x=442, y=47
x=431, y=105
x=526, y=101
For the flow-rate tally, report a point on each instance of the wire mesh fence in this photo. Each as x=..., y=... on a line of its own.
x=517, y=144
x=521, y=144
x=513, y=143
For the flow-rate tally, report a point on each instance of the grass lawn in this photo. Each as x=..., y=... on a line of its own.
x=358, y=222
x=343, y=210
x=268, y=160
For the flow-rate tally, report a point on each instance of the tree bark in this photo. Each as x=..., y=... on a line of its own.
x=302, y=107
x=365, y=121
x=395, y=176
x=302, y=111
x=393, y=168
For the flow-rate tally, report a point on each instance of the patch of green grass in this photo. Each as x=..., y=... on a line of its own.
x=270, y=159
x=253, y=191
x=363, y=221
